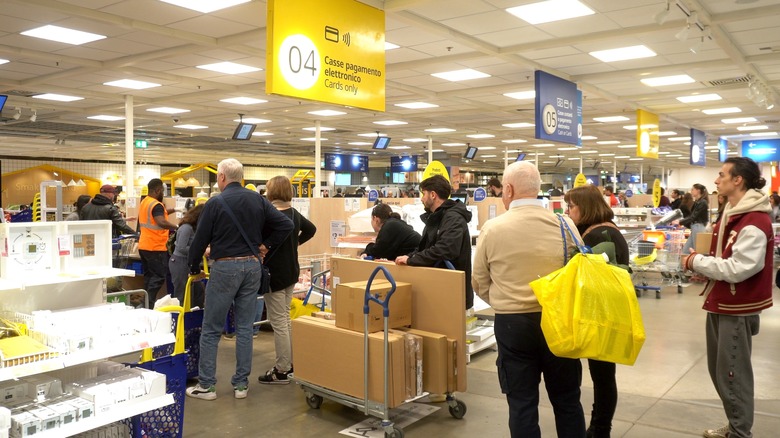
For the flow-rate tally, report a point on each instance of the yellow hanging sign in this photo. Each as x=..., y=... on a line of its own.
x=647, y=140
x=580, y=180
x=656, y=192
x=436, y=168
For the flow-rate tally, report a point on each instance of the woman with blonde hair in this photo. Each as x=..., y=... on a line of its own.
x=282, y=262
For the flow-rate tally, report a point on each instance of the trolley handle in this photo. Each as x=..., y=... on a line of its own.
x=368, y=297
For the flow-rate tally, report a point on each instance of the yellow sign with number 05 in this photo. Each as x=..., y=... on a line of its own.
x=331, y=51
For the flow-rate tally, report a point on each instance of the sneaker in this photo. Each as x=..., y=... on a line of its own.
x=274, y=377
x=255, y=334
x=202, y=393
x=722, y=432
x=229, y=336
x=240, y=391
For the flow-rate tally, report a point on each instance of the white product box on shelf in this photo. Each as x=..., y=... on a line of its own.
x=50, y=420
x=24, y=424
x=84, y=409
x=12, y=391
x=41, y=387
x=5, y=418
x=66, y=412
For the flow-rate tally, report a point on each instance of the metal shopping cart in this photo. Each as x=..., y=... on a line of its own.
x=655, y=259
x=121, y=248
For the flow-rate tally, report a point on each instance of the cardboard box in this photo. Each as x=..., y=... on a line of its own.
x=435, y=363
x=348, y=305
x=332, y=357
x=413, y=363
x=452, y=365
x=703, y=241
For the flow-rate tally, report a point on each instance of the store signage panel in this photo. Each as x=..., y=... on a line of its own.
x=647, y=140
x=698, y=138
x=723, y=149
x=403, y=164
x=762, y=150
x=330, y=51
x=558, y=109
x=346, y=163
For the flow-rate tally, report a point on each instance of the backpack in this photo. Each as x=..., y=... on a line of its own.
x=171, y=243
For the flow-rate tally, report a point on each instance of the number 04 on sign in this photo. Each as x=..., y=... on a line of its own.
x=330, y=52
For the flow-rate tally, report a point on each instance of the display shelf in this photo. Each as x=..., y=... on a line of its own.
x=114, y=414
x=65, y=277
x=121, y=347
x=476, y=347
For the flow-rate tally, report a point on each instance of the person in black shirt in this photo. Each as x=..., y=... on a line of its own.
x=676, y=195
x=394, y=236
x=283, y=265
x=235, y=273
x=102, y=207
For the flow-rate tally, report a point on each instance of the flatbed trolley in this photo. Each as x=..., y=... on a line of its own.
x=316, y=393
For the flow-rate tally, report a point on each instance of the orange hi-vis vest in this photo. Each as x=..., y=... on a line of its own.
x=153, y=237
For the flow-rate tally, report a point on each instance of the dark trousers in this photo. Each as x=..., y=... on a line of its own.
x=155, y=266
x=605, y=396
x=523, y=357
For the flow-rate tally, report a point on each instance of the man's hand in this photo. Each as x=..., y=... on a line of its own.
x=685, y=258
x=401, y=260
x=263, y=251
x=197, y=276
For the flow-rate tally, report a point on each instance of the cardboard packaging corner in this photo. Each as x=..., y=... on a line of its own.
x=702, y=244
x=332, y=357
x=348, y=305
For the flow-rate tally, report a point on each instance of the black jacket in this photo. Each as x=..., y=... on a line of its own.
x=395, y=238
x=700, y=214
x=283, y=261
x=446, y=237
x=596, y=236
x=101, y=208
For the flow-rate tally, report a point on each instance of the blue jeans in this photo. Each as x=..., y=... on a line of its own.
x=230, y=281
x=691, y=242
x=259, y=313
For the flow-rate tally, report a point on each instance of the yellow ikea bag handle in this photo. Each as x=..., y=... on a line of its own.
x=178, y=346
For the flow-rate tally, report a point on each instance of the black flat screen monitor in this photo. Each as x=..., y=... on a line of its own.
x=462, y=197
x=3, y=98
x=520, y=156
x=381, y=143
x=471, y=152
x=244, y=131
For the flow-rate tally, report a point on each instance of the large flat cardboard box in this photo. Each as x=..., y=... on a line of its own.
x=348, y=305
x=435, y=362
x=702, y=244
x=332, y=357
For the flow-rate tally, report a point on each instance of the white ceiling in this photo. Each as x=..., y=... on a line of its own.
x=157, y=42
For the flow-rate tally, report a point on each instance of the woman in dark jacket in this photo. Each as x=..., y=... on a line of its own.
x=283, y=264
x=394, y=236
x=699, y=217
x=593, y=218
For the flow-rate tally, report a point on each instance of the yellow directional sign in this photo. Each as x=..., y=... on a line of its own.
x=656, y=192
x=436, y=168
x=329, y=51
x=580, y=180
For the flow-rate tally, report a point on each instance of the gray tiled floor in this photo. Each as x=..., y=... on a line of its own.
x=667, y=393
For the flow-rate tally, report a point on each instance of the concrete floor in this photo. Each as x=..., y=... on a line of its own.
x=667, y=393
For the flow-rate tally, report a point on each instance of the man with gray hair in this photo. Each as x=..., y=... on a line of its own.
x=240, y=230
x=530, y=233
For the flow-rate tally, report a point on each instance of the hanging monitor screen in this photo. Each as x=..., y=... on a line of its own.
x=381, y=143
x=471, y=152
x=520, y=156
x=3, y=98
x=244, y=131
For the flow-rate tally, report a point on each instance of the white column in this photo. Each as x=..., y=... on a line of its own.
x=580, y=164
x=430, y=149
x=614, y=172
x=317, y=159
x=506, y=158
x=129, y=186
x=641, y=174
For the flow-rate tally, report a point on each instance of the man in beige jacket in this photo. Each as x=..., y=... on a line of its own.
x=514, y=249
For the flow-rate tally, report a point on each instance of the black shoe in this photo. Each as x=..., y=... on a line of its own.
x=274, y=377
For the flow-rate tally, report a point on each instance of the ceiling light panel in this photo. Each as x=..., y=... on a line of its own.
x=667, y=80
x=699, y=98
x=391, y=46
x=416, y=105
x=106, y=118
x=521, y=95
x=439, y=130
x=327, y=113
x=740, y=120
x=623, y=54
x=243, y=100
x=752, y=128
x=205, y=6
x=518, y=125
x=480, y=136
x=131, y=84
x=57, y=97
x=611, y=119
x=461, y=75
x=550, y=11
x=314, y=128
x=715, y=111
x=63, y=35
x=229, y=68
x=514, y=140
x=190, y=126
x=390, y=123
x=168, y=110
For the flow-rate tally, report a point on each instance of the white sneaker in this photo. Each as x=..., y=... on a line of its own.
x=240, y=391
x=721, y=432
x=202, y=393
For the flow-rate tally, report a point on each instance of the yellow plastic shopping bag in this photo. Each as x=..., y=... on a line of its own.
x=298, y=309
x=590, y=310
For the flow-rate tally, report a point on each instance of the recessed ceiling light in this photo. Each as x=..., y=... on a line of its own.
x=132, y=84
x=439, y=130
x=243, y=100
x=391, y=46
x=205, y=6
x=488, y=156
x=663, y=153
x=327, y=113
x=261, y=134
x=487, y=148
x=390, y=123
x=522, y=95
x=518, y=125
x=567, y=149
x=714, y=111
x=679, y=138
x=229, y=68
x=667, y=80
x=4, y=61
x=416, y=105
x=665, y=133
x=636, y=159
x=480, y=136
x=63, y=35
x=254, y=120
x=630, y=127
x=371, y=134
x=763, y=134
x=550, y=10
x=589, y=137
x=190, y=126
x=674, y=155
x=416, y=140
x=167, y=110
x=699, y=98
x=608, y=142
x=740, y=120
x=575, y=158
x=589, y=152
x=626, y=146
x=399, y=147
x=57, y=97
x=543, y=145
x=606, y=155
x=461, y=75
x=313, y=139
x=314, y=128
x=611, y=119
x=622, y=156
x=752, y=128
x=449, y=145
x=358, y=143
x=106, y=118
x=437, y=150
x=623, y=54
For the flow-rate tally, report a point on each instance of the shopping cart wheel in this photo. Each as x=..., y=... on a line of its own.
x=458, y=410
x=397, y=433
x=314, y=401
x=679, y=288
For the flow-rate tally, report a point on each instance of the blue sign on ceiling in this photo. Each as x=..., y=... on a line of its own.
x=558, y=109
x=403, y=164
x=762, y=150
x=723, y=149
x=697, y=147
x=346, y=163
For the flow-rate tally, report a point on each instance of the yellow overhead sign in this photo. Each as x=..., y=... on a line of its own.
x=329, y=51
x=435, y=168
x=580, y=180
x=647, y=140
x=656, y=192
